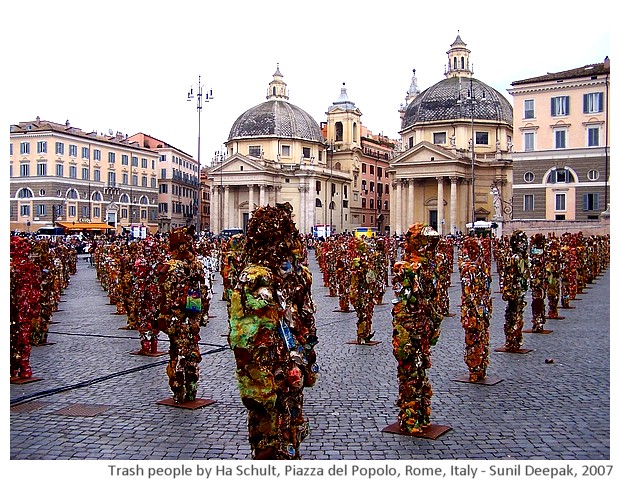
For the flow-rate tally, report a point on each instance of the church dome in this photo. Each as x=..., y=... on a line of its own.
x=276, y=118
x=450, y=100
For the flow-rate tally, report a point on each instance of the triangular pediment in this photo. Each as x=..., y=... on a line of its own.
x=236, y=163
x=424, y=151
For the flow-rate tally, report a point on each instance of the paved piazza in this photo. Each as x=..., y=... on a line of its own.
x=97, y=401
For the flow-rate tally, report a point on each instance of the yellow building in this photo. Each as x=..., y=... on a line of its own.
x=58, y=173
x=437, y=178
x=561, y=158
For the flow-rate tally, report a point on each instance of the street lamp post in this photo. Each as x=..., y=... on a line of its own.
x=199, y=99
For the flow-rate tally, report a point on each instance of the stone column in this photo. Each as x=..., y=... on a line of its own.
x=250, y=200
x=440, y=213
x=261, y=198
x=226, y=205
x=410, y=203
x=453, y=186
x=399, y=207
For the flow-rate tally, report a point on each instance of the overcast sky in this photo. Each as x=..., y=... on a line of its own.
x=128, y=66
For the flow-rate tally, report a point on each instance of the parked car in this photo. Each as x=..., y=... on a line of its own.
x=229, y=232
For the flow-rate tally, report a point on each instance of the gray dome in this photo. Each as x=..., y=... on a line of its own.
x=276, y=118
x=441, y=102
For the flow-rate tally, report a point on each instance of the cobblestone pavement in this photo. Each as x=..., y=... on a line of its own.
x=539, y=410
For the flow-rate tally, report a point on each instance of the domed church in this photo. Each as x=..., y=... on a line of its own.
x=275, y=153
x=437, y=178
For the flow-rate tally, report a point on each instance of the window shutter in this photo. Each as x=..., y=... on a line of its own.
x=585, y=202
x=552, y=107
x=567, y=106
x=600, y=102
x=595, y=201
x=585, y=103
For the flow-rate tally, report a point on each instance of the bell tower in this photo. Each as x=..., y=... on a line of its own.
x=458, y=60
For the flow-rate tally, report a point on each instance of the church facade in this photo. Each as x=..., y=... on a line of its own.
x=456, y=163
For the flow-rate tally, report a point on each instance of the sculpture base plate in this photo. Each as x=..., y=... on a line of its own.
x=488, y=380
x=21, y=381
x=148, y=354
x=542, y=332
x=432, y=431
x=191, y=405
x=344, y=311
x=521, y=350
x=370, y=343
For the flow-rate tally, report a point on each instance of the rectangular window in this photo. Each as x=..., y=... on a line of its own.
x=363, y=168
x=163, y=173
x=254, y=151
x=134, y=180
x=372, y=169
x=73, y=150
x=125, y=159
x=163, y=188
x=559, y=136
x=134, y=161
x=85, y=173
x=24, y=148
x=85, y=152
x=111, y=179
x=40, y=210
x=96, y=212
x=286, y=150
x=528, y=141
x=145, y=181
x=379, y=172
x=111, y=157
x=528, y=203
x=72, y=171
x=528, y=108
x=410, y=142
x=145, y=163
x=560, y=202
x=60, y=170
x=306, y=152
x=162, y=158
x=24, y=210
x=97, y=155
x=153, y=182
x=97, y=175
x=42, y=146
x=85, y=211
x=41, y=169
x=152, y=164
x=482, y=138
x=590, y=201
x=559, y=106
x=439, y=138
x=24, y=170
x=593, y=136
x=125, y=179
x=593, y=102
x=60, y=148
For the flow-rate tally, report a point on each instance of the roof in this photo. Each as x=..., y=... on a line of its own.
x=591, y=70
x=450, y=100
x=276, y=118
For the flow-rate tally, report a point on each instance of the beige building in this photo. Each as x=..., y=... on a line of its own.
x=58, y=173
x=177, y=174
x=276, y=153
x=437, y=178
x=561, y=157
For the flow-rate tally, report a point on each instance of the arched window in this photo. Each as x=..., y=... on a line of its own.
x=124, y=198
x=354, y=131
x=144, y=200
x=455, y=64
x=96, y=197
x=339, y=132
x=72, y=194
x=25, y=193
x=318, y=203
x=462, y=63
